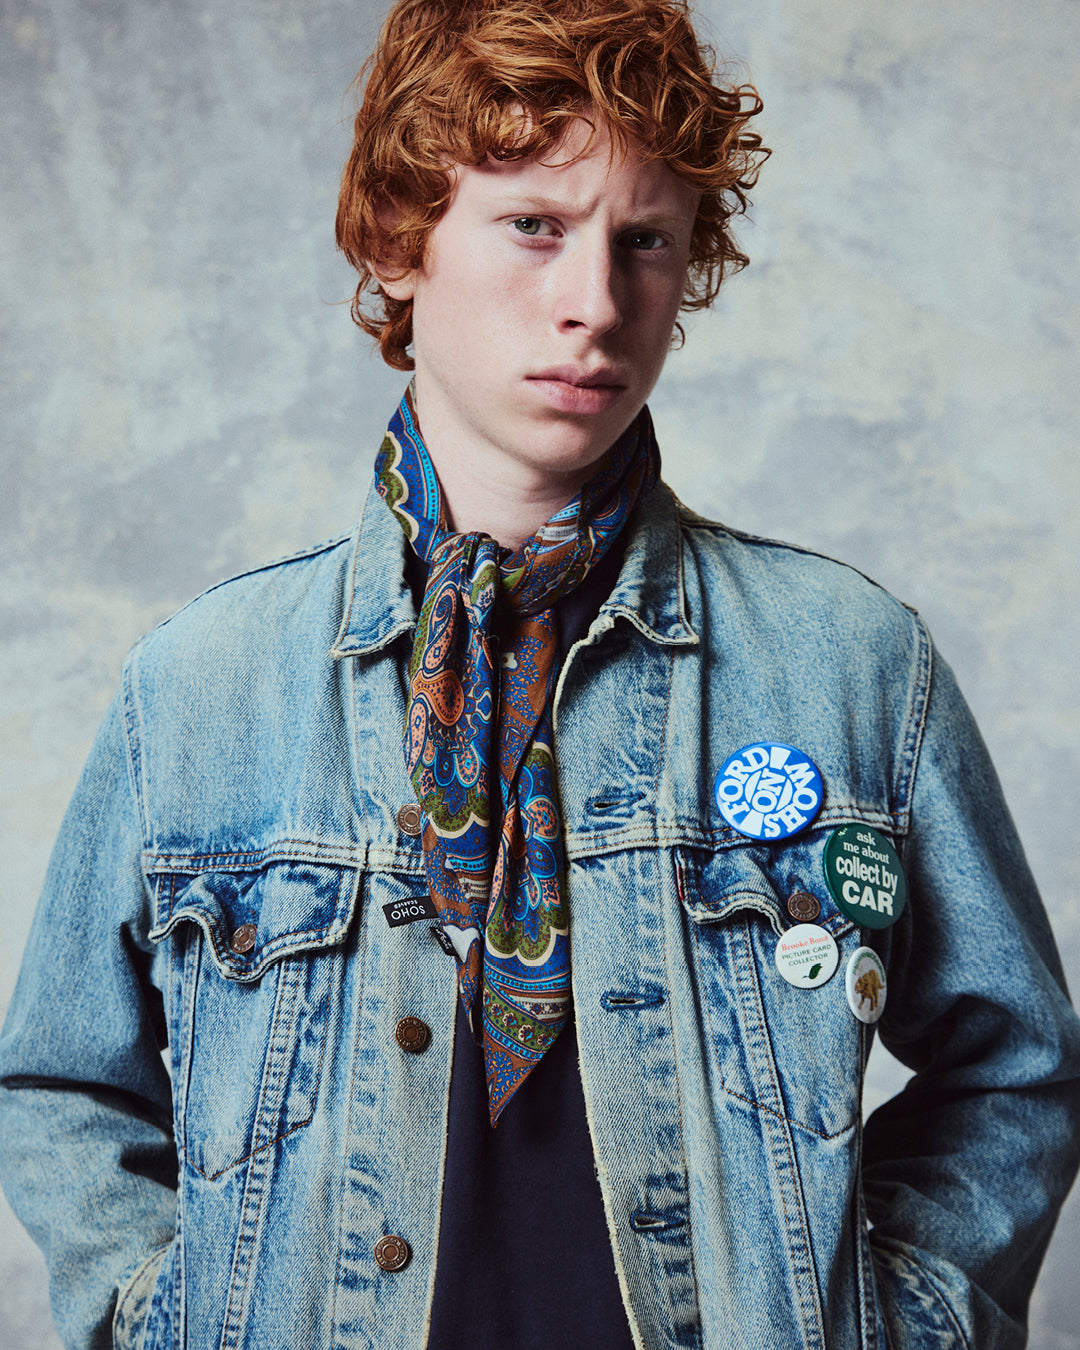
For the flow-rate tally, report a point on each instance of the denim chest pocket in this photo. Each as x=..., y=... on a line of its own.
x=256, y=959
x=795, y=1052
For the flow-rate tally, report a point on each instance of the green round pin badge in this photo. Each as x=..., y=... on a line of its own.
x=865, y=877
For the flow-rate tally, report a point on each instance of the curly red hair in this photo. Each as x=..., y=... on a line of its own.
x=455, y=81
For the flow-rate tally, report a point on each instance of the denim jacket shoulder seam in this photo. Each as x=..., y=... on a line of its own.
x=302, y=556
x=133, y=741
x=918, y=706
x=691, y=520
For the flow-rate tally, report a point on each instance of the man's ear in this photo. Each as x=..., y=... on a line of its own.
x=397, y=282
x=398, y=285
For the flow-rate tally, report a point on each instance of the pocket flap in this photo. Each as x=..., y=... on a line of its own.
x=714, y=887
x=255, y=916
x=718, y=885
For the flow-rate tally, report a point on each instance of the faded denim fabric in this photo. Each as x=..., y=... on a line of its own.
x=230, y=1192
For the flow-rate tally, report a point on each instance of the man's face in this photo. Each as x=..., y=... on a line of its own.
x=544, y=310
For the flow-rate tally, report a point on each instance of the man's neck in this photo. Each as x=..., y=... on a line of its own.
x=510, y=509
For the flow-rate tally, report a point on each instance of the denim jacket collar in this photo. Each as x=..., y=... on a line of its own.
x=378, y=603
x=649, y=592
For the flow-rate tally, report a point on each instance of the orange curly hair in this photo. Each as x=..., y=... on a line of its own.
x=455, y=81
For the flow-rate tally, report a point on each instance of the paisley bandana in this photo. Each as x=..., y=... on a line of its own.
x=478, y=736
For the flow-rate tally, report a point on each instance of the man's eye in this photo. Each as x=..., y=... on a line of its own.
x=645, y=240
x=530, y=225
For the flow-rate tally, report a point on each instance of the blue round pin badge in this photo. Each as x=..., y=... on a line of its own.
x=769, y=790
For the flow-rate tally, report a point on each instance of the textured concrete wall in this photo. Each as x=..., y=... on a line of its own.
x=893, y=381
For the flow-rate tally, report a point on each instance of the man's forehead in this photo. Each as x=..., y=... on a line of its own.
x=586, y=166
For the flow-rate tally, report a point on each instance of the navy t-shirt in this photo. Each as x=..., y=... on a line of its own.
x=525, y=1259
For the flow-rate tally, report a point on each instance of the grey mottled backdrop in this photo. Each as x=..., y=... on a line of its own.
x=894, y=380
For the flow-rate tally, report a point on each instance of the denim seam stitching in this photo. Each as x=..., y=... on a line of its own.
x=680, y=578
x=243, y=1253
x=135, y=767
x=864, y=1264
x=347, y=1131
x=782, y=1115
x=188, y=984
x=803, y=1268
x=693, y=522
x=271, y=1092
x=662, y=836
x=692, y=1273
x=917, y=711
x=253, y=1153
x=272, y=951
x=284, y=851
x=290, y=559
x=360, y=919
x=696, y=931
x=350, y=582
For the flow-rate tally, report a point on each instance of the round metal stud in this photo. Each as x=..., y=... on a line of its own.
x=412, y=1035
x=244, y=939
x=409, y=819
x=803, y=907
x=392, y=1253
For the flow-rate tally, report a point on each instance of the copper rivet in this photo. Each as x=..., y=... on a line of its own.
x=392, y=1253
x=244, y=939
x=409, y=819
x=412, y=1034
x=803, y=906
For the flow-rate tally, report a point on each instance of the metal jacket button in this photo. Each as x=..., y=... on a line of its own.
x=409, y=819
x=392, y=1253
x=412, y=1035
x=243, y=939
x=803, y=907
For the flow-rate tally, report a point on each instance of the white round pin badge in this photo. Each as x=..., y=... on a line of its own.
x=768, y=790
x=807, y=956
x=865, y=984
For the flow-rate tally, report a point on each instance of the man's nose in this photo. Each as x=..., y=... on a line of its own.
x=590, y=292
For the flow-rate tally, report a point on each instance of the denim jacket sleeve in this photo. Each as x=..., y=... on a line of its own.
x=964, y=1170
x=84, y=1094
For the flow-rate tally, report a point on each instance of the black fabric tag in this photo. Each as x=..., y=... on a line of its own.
x=439, y=934
x=409, y=910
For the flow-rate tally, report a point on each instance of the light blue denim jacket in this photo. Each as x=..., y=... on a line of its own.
x=230, y=1191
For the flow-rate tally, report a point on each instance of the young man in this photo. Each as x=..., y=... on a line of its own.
x=514, y=887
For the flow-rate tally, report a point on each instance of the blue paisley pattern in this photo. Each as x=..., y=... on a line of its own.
x=478, y=736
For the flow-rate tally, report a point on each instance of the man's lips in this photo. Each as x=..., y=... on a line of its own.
x=579, y=377
x=576, y=391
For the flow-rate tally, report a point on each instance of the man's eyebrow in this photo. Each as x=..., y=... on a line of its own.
x=555, y=206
